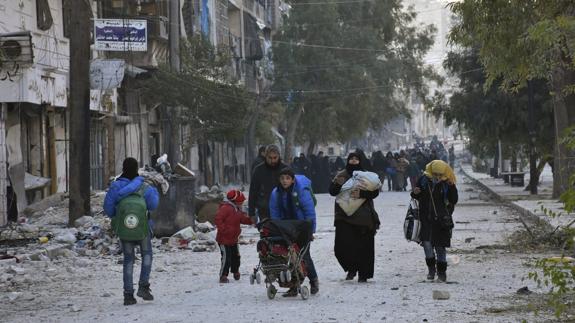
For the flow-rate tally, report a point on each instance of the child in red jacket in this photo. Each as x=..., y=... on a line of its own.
x=228, y=220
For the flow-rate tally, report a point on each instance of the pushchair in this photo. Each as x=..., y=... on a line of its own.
x=281, y=248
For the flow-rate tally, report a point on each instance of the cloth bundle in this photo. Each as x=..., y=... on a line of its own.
x=367, y=181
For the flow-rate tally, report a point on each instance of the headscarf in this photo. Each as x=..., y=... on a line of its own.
x=440, y=167
x=351, y=168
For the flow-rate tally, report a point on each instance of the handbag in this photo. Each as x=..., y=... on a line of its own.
x=412, y=224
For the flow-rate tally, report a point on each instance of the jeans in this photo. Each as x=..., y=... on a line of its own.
x=429, y=253
x=311, y=273
x=146, y=253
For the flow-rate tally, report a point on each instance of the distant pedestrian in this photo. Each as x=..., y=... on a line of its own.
x=354, y=235
x=128, y=203
x=452, y=157
x=260, y=158
x=437, y=196
x=228, y=220
x=265, y=178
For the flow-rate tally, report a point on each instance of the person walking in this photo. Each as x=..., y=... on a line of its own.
x=228, y=220
x=293, y=200
x=128, y=202
x=437, y=195
x=265, y=178
x=354, y=235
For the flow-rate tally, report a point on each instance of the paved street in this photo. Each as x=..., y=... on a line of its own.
x=186, y=288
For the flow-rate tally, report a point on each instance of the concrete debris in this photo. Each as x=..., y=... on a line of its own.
x=83, y=221
x=15, y=270
x=524, y=291
x=441, y=295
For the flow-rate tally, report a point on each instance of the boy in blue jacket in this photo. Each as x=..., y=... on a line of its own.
x=128, y=183
x=293, y=200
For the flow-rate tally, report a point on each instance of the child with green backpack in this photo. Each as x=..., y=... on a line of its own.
x=128, y=202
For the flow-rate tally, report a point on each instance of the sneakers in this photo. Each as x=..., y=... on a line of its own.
x=314, y=286
x=292, y=292
x=350, y=275
x=224, y=280
x=237, y=276
x=144, y=292
x=129, y=299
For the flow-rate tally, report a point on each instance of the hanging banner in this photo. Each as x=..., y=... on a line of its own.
x=120, y=35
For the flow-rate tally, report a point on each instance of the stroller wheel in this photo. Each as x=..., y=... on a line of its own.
x=288, y=276
x=252, y=279
x=271, y=291
x=304, y=292
x=258, y=278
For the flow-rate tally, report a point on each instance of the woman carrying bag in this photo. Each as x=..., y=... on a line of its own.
x=354, y=233
x=437, y=195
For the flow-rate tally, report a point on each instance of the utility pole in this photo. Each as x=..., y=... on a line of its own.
x=79, y=176
x=174, y=112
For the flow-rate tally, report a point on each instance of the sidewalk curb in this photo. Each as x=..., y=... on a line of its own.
x=529, y=215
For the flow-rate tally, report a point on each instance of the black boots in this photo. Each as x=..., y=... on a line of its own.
x=144, y=292
x=129, y=299
x=441, y=269
x=431, y=268
x=314, y=286
x=350, y=275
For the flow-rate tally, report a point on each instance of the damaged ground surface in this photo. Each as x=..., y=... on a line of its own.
x=484, y=276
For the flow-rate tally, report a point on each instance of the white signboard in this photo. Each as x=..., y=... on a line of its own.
x=120, y=35
x=106, y=74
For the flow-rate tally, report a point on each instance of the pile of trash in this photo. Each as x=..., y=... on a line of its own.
x=200, y=239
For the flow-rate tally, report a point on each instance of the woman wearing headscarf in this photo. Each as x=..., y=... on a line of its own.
x=437, y=195
x=354, y=235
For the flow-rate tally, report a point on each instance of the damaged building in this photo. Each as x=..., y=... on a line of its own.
x=34, y=92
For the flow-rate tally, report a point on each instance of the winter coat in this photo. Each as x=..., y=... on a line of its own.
x=303, y=202
x=228, y=220
x=444, y=197
x=365, y=216
x=264, y=179
x=123, y=187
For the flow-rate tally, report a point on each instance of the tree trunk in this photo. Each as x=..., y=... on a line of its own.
x=250, y=140
x=79, y=177
x=563, y=106
x=292, y=124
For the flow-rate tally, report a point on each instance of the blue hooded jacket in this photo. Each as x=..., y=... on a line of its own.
x=123, y=187
x=306, y=208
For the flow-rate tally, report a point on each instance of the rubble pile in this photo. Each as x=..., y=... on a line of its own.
x=200, y=239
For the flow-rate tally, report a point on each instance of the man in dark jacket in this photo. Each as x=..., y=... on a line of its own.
x=265, y=178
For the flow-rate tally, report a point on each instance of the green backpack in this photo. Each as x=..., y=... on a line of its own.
x=131, y=220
